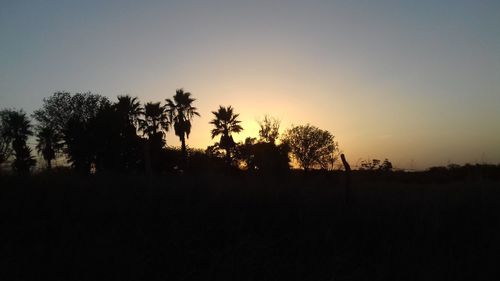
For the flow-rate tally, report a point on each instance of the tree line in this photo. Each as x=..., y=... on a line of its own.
x=94, y=134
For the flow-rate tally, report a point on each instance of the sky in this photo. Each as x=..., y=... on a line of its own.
x=417, y=82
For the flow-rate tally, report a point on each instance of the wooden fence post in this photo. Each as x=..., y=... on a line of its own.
x=347, y=179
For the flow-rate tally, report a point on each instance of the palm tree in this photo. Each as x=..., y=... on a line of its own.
x=18, y=129
x=225, y=123
x=5, y=139
x=129, y=109
x=46, y=144
x=129, y=112
x=154, y=124
x=155, y=120
x=181, y=112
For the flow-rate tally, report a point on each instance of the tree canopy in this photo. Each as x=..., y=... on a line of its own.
x=311, y=147
x=5, y=139
x=225, y=124
x=181, y=111
x=16, y=128
x=96, y=135
x=269, y=129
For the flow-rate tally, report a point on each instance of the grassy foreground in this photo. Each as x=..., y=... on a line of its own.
x=244, y=227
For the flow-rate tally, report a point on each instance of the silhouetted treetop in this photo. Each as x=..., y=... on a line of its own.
x=46, y=144
x=181, y=111
x=17, y=129
x=155, y=119
x=63, y=124
x=225, y=123
x=17, y=124
x=58, y=109
x=311, y=146
x=269, y=129
x=263, y=156
x=62, y=106
x=129, y=108
x=5, y=138
x=376, y=165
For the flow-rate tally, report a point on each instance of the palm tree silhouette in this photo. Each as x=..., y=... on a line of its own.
x=181, y=112
x=18, y=129
x=225, y=123
x=129, y=109
x=46, y=144
x=5, y=139
x=154, y=123
x=129, y=112
x=155, y=120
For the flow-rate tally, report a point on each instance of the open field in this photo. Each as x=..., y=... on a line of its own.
x=246, y=227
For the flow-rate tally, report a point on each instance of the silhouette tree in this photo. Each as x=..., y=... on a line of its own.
x=376, y=165
x=154, y=121
x=245, y=153
x=265, y=157
x=370, y=165
x=154, y=124
x=5, y=139
x=68, y=115
x=56, y=111
x=77, y=145
x=59, y=108
x=225, y=122
x=269, y=129
x=386, y=166
x=181, y=112
x=104, y=133
x=129, y=111
x=105, y=142
x=46, y=144
x=311, y=146
x=18, y=129
x=79, y=137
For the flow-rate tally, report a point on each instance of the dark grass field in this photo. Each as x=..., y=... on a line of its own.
x=246, y=227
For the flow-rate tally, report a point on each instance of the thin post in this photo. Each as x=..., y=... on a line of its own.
x=347, y=168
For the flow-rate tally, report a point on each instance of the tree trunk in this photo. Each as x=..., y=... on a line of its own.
x=183, y=151
x=228, y=156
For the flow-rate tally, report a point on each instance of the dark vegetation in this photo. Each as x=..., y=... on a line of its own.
x=239, y=226
x=129, y=207
x=96, y=135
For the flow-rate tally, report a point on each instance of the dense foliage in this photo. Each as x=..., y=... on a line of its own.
x=311, y=146
x=96, y=135
x=16, y=128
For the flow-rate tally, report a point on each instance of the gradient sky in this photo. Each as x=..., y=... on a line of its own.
x=417, y=82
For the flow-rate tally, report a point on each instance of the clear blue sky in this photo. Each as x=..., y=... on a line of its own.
x=417, y=82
